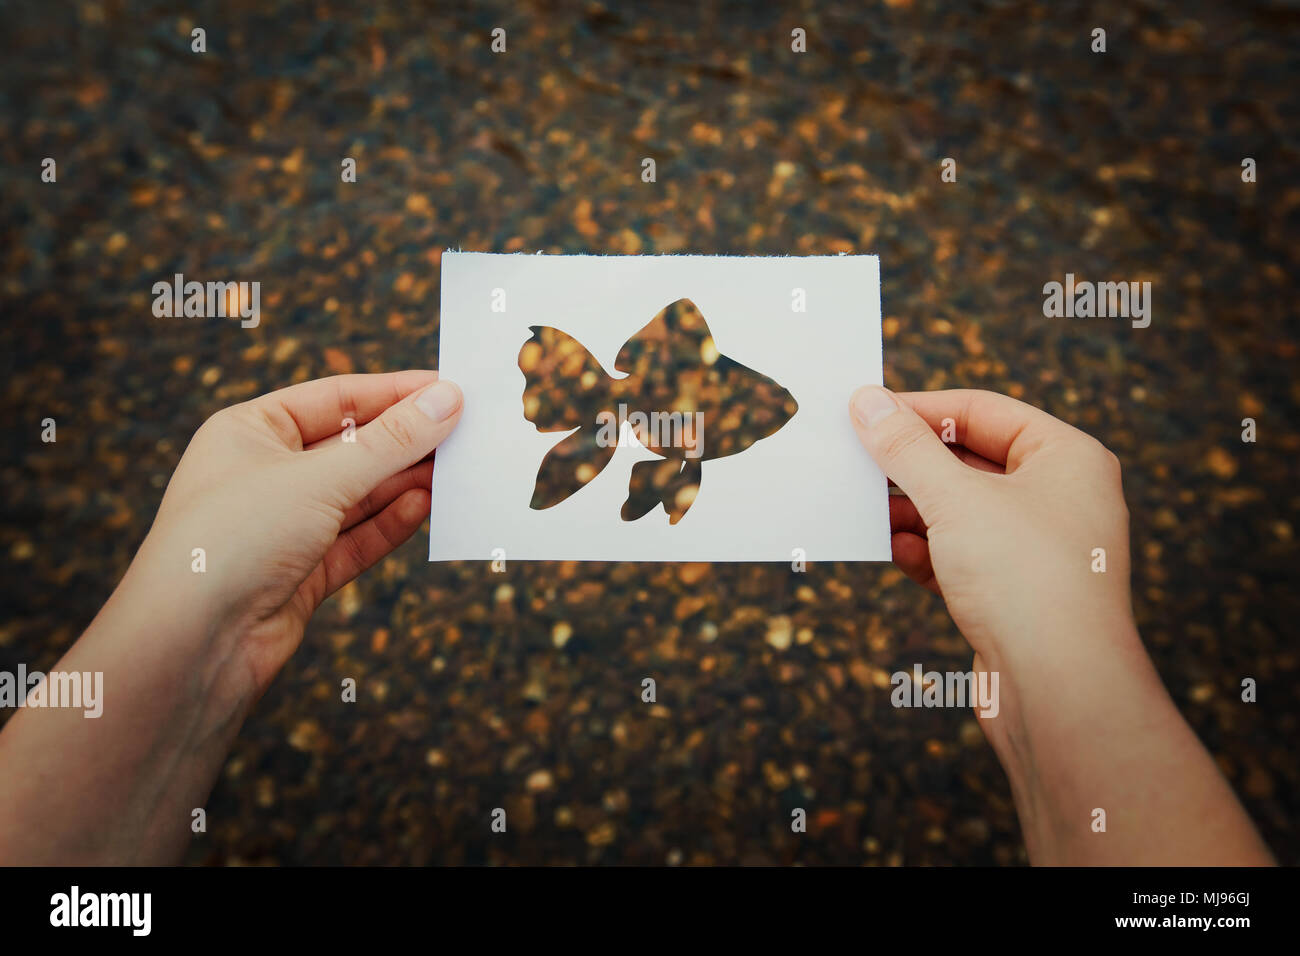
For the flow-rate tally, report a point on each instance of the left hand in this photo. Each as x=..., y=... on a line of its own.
x=286, y=509
x=289, y=504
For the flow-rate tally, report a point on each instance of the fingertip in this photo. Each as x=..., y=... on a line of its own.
x=441, y=401
x=413, y=506
x=871, y=403
x=912, y=555
x=903, y=516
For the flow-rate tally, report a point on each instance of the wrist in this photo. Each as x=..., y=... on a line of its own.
x=1080, y=718
x=169, y=707
x=168, y=618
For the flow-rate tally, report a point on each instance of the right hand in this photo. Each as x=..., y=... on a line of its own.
x=1003, y=524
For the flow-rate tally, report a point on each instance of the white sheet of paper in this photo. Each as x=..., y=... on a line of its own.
x=810, y=486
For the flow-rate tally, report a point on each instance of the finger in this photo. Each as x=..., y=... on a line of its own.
x=387, y=491
x=905, y=448
x=968, y=457
x=912, y=555
x=311, y=411
x=978, y=462
x=997, y=427
x=322, y=442
x=903, y=516
x=404, y=434
x=358, y=548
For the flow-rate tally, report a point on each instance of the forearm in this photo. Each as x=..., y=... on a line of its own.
x=1095, y=731
x=121, y=787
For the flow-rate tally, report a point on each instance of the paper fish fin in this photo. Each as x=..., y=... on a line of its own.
x=675, y=335
x=668, y=482
x=569, y=466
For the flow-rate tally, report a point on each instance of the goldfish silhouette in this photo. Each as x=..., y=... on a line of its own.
x=682, y=399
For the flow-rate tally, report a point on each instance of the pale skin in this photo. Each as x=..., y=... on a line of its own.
x=287, y=511
x=1003, y=526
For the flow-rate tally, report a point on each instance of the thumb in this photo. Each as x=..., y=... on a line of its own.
x=404, y=434
x=905, y=447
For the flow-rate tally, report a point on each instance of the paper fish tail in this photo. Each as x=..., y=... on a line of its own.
x=550, y=356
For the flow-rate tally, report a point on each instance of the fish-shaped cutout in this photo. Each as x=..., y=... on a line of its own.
x=682, y=398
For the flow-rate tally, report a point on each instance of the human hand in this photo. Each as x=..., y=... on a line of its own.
x=1003, y=524
x=288, y=505
x=286, y=510
x=1006, y=525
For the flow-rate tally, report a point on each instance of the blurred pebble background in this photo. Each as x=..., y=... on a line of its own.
x=521, y=690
